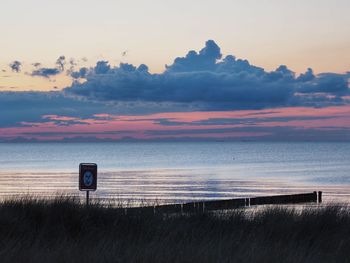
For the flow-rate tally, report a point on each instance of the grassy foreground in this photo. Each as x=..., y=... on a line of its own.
x=63, y=230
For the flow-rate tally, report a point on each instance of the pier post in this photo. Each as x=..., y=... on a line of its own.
x=315, y=196
x=319, y=196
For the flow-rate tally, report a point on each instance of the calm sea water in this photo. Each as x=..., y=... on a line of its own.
x=169, y=172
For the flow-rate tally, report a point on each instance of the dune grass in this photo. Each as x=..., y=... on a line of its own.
x=64, y=230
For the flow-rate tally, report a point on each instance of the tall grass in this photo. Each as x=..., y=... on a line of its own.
x=64, y=230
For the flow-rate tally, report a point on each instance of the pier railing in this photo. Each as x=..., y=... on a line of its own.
x=195, y=207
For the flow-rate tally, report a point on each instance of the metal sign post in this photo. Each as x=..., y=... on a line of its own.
x=87, y=198
x=87, y=178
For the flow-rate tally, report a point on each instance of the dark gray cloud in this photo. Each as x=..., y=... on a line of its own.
x=49, y=134
x=18, y=107
x=269, y=133
x=204, y=60
x=49, y=72
x=326, y=83
x=72, y=65
x=15, y=66
x=102, y=67
x=239, y=121
x=61, y=62
x=81, y=73
x=207, y=81
x=46, y=72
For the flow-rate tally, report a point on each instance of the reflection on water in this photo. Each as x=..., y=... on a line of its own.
x=163, y=186
x=169, y=172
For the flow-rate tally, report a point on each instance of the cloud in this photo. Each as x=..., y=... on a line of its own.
x=53, y=116
x=199, y=94
x=260, y=134
x=193, y=61
x=46, y=72
x=60, y=62
x=205, y=80
x=22, y=106
x=240, y=121
x=81, y=73
x=18, y=107
x=36, y=64
x=102, y=67
x=15, y=66
x=326, y=83
x=49, y=72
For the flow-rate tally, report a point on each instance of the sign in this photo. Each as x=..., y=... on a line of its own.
x=87, y=177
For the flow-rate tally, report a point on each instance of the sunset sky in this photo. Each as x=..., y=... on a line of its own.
x=175, y=70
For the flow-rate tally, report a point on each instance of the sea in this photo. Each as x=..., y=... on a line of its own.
x=166, y=172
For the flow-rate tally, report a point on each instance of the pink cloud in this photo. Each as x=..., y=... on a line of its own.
x=141, y=126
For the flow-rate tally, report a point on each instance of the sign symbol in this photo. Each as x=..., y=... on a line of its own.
x=88, y=178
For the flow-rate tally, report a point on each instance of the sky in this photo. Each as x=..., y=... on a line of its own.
x=174, y=70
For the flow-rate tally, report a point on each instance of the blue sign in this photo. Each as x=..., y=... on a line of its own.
x=87, y=177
